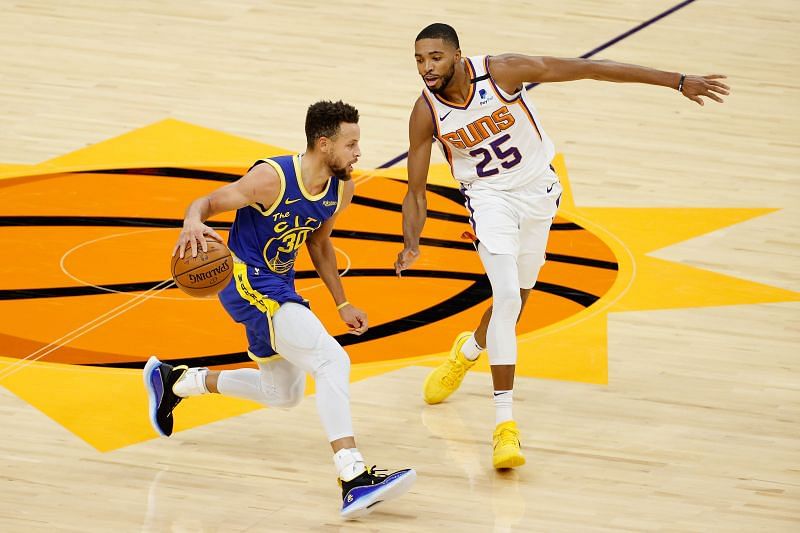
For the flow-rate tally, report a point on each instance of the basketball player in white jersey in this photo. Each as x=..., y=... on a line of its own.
x=479, y=112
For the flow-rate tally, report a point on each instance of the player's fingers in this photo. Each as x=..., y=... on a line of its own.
x=203, y=243
x=696, y=99
x=714, y=97
x=715, y=77
x=719, y=87
x=182, y=248
x=194, y=246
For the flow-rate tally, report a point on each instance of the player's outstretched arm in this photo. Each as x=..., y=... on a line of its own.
x=323, y=255
x=261, y=184
x=511, y=71
x=415, y=204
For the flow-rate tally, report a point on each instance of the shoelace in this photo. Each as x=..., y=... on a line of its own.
x=374, y=469
x=455, y=374
x=373, y=476
x=508, y=436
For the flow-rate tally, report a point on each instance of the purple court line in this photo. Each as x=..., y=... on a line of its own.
x=587, y=55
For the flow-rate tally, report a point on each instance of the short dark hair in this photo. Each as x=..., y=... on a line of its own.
x=324, y=117
x=438, y=30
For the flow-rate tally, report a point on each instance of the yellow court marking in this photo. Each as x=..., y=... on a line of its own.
x=79, y=397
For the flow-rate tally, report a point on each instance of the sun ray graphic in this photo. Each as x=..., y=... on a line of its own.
x=84, y=312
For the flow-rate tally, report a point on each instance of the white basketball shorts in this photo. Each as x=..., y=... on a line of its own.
x=516, y=221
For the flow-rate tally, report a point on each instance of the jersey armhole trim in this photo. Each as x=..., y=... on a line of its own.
x=504, y=96
x=282, y=177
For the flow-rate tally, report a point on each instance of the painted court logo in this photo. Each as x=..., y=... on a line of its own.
x=93, y=297
x=446, y=292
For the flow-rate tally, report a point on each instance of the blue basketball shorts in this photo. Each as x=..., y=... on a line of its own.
x=251, y=298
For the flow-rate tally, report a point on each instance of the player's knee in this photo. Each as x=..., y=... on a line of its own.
x=285, y=395
x=506, y=302
x=331, y=357
x=291, y=398
x=529, y=267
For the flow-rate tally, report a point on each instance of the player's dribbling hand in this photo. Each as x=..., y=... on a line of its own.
x=355, y=318
x=405, y=259
x=696, y=86
x=192, y=234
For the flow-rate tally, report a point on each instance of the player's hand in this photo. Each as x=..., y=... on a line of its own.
x=696, y=86
x=192, y=234
x=405, y=259
x=355, y=318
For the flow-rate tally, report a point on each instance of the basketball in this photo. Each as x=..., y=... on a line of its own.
x=207, y=273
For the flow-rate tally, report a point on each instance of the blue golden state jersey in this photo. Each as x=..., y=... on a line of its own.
x=269, y=236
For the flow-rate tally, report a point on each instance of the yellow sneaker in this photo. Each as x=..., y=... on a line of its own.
x=506, y=446
x=446, y=378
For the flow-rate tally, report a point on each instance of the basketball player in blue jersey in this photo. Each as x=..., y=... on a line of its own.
x=479, y=112
x=282, y=203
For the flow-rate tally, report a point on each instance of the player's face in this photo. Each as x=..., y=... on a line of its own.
x=436, y=62
x=344, y=151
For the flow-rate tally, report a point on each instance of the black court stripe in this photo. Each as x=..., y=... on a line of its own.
x=397, y=208
x=587, y=55
x=170, y=172
x=479, y=291
x=583, y=298
x=142, y=222
x=441, y=215
x=221, y=225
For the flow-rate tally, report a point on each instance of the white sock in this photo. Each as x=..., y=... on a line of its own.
x=349, y=463
x=502, y=405
x=471, y=349
x=193, y=383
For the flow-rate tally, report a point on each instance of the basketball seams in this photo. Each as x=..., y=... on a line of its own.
x=217, y=256
x=214, y=262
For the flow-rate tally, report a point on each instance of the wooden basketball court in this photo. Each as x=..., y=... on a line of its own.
x=658, y=377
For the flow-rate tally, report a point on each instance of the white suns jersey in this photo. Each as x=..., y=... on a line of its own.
x=493, y=139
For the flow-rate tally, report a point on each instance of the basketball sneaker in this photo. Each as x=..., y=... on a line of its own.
x=447, y=377
x=158, y=380
x=506, y=446
x=361, y=494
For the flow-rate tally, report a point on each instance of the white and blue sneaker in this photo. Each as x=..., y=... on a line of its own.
x=158, y=380
x=361, y=494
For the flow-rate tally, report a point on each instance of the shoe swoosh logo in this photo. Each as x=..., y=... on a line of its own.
x=288, y=201
x=550, y=188
x=445, y=115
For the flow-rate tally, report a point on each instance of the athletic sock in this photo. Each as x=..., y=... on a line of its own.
x=503, y=400
x=349, y=463
x=471, y=349
x=192, y=383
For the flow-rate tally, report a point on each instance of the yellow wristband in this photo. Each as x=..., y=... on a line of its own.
x=344, y=303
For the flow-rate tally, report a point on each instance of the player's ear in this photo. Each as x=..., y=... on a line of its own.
x=458, y=55
x=323, y=144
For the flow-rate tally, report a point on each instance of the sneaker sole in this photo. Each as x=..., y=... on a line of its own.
x=384, y=494
x=151, y=365
x=509, y=462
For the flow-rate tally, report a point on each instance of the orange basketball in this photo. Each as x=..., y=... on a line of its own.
x=205, y=274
